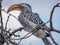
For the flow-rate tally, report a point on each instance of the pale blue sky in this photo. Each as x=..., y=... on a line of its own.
x=43, y=8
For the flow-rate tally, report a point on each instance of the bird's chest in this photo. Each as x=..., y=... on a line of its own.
x=28, y=29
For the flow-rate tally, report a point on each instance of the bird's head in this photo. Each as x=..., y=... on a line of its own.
x=20, y=7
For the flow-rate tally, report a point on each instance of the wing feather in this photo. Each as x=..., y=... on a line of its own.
x=34, y=17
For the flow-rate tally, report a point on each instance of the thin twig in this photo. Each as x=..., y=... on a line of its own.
x=10, y=14
x=51, y=23
x=7, y=22
x=52, y=39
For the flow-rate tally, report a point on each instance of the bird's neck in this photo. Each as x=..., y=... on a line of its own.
x=26, y=13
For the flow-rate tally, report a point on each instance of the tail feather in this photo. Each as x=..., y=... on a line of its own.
x=46, y=41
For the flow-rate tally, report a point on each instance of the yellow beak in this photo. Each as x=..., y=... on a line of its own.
x=15, y=7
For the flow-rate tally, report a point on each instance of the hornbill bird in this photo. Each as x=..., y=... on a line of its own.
x=30, y=20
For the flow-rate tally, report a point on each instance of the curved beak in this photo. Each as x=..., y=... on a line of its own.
x=15, y=7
